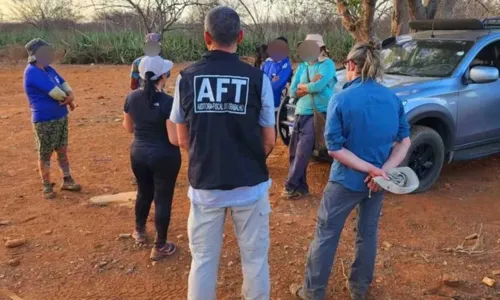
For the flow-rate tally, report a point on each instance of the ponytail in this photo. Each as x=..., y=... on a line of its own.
x=150, y=89
x=367, y=58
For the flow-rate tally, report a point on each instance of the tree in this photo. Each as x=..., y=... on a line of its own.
x=399, y=18
x=357, y=17
x=422, y=9
x=155, y=15
x=45, y=14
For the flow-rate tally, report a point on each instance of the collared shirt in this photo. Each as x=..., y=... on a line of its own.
x=366, y=118
x=38, y=83
x=241, y=196
x=281, y=70
x=321, y=89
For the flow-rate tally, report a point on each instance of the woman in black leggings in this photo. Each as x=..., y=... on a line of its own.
x=155, y=160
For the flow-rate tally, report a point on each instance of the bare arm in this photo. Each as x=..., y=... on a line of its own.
x=134, y=83
x=128, y=124
x=350, y=160
x=183, y=136
x=268, y=138
x=398, y=154
x=172, y=133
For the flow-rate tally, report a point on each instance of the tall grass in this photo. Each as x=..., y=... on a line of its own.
x=123, y=47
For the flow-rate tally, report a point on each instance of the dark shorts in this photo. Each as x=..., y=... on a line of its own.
x=51, y=135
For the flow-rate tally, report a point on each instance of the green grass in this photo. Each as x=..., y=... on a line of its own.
x=123, y=47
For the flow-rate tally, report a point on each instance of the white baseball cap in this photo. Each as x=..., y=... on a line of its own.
x=155, y=64
x=317, y=38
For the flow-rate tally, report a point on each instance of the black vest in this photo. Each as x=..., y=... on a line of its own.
x=221, y=99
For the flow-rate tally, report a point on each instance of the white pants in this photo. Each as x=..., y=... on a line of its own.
x=251, y=226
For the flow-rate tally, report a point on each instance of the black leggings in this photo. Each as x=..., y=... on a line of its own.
x=156, y=174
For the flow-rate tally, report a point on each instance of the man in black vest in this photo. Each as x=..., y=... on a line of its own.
x=224, y=112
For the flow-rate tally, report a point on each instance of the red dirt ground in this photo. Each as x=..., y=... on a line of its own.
x=62, y=264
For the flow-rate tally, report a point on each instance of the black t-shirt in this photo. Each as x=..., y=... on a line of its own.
x=150, y=127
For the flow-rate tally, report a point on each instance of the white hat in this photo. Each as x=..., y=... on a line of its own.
x=401, y=181
x=318, y=38
x=155, y=64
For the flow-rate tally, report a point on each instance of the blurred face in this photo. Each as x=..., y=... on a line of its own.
x=278, y=50
x=152, y=48
x=45, y=55
x=308, y=51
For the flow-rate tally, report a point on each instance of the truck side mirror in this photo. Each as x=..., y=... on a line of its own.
x=483, y=74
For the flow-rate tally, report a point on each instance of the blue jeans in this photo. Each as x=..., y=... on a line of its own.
x=335, y=207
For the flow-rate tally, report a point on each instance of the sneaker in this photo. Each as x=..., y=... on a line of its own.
x=70, y=185
x=48, y=191
x=140, y=237
x=288, y=193
x=301, y=194
x=298, y=292
x=354, y=295
x=163, y=252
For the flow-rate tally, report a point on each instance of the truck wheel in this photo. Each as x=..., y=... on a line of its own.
x=425, y=156
x=282, y=122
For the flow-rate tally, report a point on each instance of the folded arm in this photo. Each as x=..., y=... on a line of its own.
x=327, y=72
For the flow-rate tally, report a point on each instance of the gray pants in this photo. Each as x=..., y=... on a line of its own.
x=301, y=150
x=335, y=207
x=205, y=229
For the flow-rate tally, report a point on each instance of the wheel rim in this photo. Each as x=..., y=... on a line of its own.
x=422, y=160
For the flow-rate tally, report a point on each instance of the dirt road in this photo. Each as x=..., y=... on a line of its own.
x=72, y=251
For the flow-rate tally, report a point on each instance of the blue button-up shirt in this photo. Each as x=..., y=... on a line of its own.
x=366, y=118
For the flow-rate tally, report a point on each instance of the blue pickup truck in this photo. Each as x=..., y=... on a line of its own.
x=447, y=75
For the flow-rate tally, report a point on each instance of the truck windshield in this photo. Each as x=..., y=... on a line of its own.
x=424, y=58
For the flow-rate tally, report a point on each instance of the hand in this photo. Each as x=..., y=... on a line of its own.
x=72, y=106
x=301, y=93
x=275, y=78
x=317, y=77
x=69, y=99
x=371, y=184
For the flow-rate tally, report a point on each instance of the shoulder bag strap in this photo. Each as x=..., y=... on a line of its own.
x=312, y=95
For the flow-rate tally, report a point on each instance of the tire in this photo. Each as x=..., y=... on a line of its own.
x=282, y=128
x=425, y=142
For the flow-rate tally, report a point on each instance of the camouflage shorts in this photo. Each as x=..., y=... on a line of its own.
x=51, y=135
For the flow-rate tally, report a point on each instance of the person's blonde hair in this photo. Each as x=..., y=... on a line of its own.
x=367, y=58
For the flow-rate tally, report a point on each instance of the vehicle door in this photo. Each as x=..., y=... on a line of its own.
x=478, y=119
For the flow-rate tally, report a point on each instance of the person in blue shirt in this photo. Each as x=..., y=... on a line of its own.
x=314, y=80
x=49, y=96
x=367, y=134
x=278, y=67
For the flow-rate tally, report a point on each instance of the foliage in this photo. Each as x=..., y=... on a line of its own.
x=124, y=46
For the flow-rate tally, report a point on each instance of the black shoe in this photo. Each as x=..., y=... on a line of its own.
x=48, y=191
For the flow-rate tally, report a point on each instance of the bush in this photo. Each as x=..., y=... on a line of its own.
x=124, y=46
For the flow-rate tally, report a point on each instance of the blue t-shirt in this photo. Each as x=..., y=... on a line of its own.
x=282, y=71
x=150, y=123
x=366, y=118
x=37, y=85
